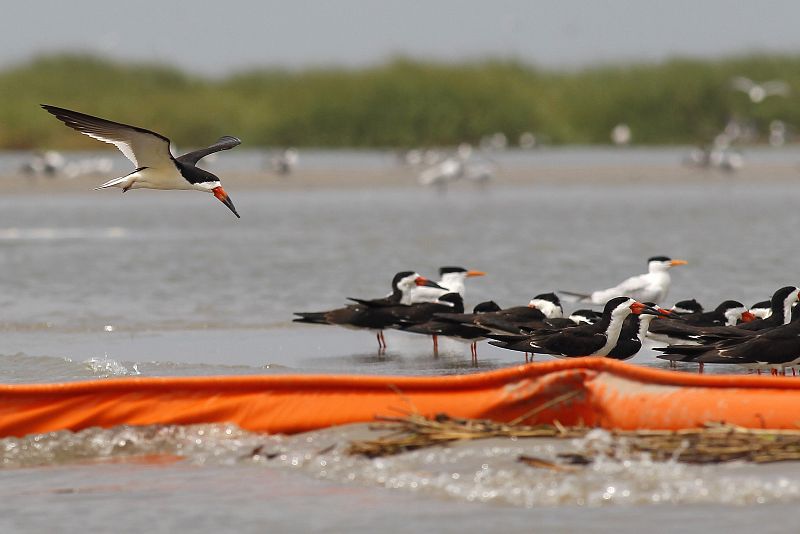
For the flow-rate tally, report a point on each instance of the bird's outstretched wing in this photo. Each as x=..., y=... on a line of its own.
x=742, y=84
x=143, y=147
x=226, y=142
x=776, y=87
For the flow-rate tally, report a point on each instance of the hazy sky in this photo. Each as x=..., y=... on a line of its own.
x=223, y=36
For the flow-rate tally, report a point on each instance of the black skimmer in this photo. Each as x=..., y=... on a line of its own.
x=713, y=338
x=781, y=304
x=464, y=331
x=634, y=330
x=149, y=151
x=576, y=318
x=451, y=280
x=650, y=287
x=776, y=348
x=692, y=327
x=686, y=307
x=376, y=314
x=761, y=310
x=534, y=315
x=597, y=339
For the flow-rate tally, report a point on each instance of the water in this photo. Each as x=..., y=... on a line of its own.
x=100, y=285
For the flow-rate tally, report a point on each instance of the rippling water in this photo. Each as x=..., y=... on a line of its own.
x=100, y=285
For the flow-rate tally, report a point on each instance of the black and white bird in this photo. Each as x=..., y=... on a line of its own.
x=437, y=326
x=686, y=307
x=693, y=326
x=762, y=309
x=156, y=167
x=597, y=339
x=649, y=287
x=451, y=280
x=375, y=314
x=533, y=316
x=774, y=349
x=633, y=333
x=782, y=303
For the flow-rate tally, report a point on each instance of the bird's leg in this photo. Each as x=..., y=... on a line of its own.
x=125, y=189
x=474, y=349
x=793, y=372
x=773, y=372
x=700, y=370
x=758, y=371
x=435, y=345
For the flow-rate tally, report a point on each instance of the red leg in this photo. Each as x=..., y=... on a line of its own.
x=702, y=366
x=435, y=345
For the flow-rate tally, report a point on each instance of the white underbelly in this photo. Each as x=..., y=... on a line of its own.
x=151, y=178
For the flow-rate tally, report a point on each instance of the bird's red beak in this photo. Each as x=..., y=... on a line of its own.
x=422, y=281
x=224, y=198
x=637, y=307
x=747, y=317
x=475, y=273
x=673, y=263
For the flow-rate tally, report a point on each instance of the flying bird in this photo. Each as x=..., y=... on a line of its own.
x=156, y=168
x=757, y=92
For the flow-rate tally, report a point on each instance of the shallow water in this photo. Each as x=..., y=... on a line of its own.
x=100, y=285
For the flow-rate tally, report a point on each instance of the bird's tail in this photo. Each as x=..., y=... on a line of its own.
x=572, y=296
x=310, y=317
x=504, y=339
x=112, y=183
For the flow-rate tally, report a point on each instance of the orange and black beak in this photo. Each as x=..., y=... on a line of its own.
x=422, y=281
x=470, y=274
x=639, y=308
x=747, y=317
x=673, y=263
x=225, y=199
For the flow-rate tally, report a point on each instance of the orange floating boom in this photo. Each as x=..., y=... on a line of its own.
x=601, y=392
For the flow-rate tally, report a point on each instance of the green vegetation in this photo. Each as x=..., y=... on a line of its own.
x=402, y=103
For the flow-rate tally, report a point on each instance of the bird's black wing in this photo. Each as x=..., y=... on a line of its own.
x=226, y=142
x=144, y=148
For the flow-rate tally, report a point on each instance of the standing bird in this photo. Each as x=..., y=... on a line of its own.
x=464, y=331
x=597, y=339
x=149, y=151
x=687, y=307
x=692, y=326
x=776, y=348
x=451, y=280
x=375, y=314
x=650, y=287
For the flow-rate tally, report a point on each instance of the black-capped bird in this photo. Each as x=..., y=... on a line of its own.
x=597, y=339
x=156, y=168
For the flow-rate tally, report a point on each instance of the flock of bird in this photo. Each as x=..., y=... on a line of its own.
x=766, y=336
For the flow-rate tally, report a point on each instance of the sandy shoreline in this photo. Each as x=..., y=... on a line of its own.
x=395, y=176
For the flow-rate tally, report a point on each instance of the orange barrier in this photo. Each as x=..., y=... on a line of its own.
x=602, y=392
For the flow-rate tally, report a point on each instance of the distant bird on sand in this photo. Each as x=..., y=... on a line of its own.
x=757, y=92
x=650, y=287
x=156, y=168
